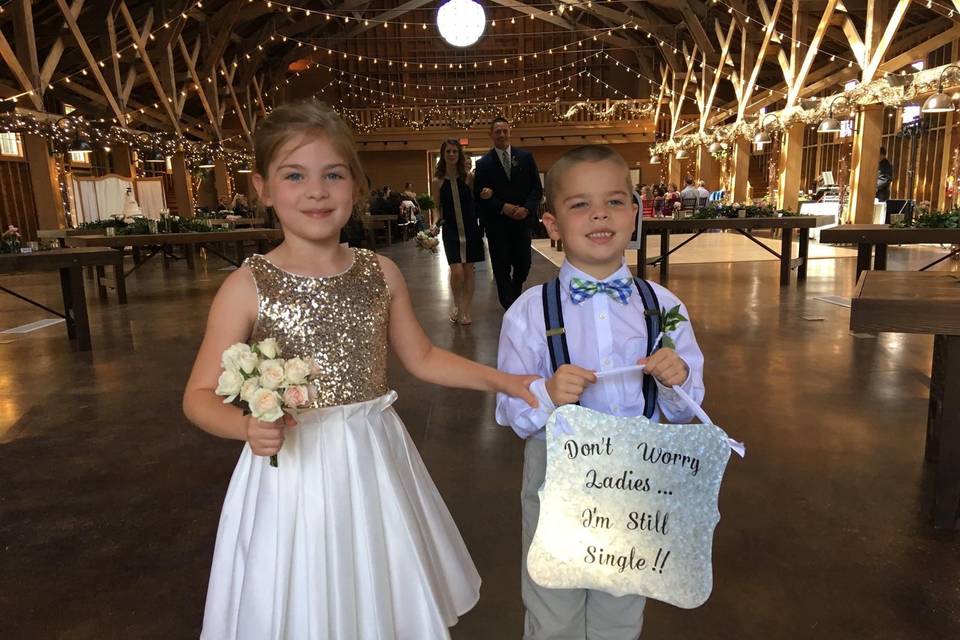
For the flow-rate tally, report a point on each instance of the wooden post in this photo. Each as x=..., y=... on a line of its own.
x=182, y=187
x=740, y=170
x=675, y=171
x=791, y=156
x=708, y=169
x=45, y=183
x=863, y=165
x=121, y=162
x=221, y=176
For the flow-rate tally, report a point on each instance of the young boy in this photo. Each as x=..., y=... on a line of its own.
x=604, y=325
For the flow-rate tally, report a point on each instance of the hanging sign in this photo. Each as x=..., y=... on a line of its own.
x=629, y=506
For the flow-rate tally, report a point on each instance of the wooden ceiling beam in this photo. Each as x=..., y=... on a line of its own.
x=91, y=61
x=52, y=60
x=724, y=52
x=761, y=53
x=145, y=58
x=916, y=52
x=8, y=56
x=643, y=17
x=236, y=103
x=191, y=62
x=796, y=83
x=697, y=32
x=26, y=42
x=559, y=21
x=222, y=23
x=877, y=55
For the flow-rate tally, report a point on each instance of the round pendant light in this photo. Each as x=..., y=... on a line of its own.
x=940, y=102
x=681, y=154
x=654, y=159
x=829, y=125
x=461, y=22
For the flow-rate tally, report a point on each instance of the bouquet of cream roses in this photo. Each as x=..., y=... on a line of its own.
x=428, y=240
x=265, y=383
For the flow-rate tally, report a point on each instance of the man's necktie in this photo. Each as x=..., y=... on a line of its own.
x=505, y=161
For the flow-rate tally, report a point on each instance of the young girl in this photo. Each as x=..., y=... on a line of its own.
x=347, y=538
x=462, y=238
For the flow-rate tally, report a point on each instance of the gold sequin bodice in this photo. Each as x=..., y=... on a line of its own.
x=341, y=321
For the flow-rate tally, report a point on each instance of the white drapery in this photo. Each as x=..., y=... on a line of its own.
x=100, y=198
x=151, y=197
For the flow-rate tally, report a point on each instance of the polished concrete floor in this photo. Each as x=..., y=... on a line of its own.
x=109, y=499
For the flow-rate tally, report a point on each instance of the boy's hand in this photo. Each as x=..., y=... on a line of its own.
x=486, y=193
x=666, y=366
x=566, y=385
x=266, y=438
x=518, y=387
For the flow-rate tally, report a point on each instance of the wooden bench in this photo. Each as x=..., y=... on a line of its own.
x=70, y=264
x=868, y=236
x=744, y=226
x=928, y=303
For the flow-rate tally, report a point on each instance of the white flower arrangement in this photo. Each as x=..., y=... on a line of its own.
x=428, y=241
x=266, y=384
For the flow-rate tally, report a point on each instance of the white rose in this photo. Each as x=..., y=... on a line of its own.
x=271, y=374
x=230, y=358
x=315, y=368
x=266, y=406
x=269, y=348
x=249, y=388
x=296, y=396
x=247, y=361
x=229, y=385
x=295, y=371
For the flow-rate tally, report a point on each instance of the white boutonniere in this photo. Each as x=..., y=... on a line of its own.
x=514, y=163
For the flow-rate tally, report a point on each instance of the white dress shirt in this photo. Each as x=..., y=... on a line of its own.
x=602, y=334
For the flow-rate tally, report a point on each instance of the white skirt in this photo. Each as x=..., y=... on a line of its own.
x=347, y=539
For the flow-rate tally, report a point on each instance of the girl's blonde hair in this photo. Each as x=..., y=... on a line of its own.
x=310, y=119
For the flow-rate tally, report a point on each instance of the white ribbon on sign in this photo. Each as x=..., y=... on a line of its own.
x=738, y=447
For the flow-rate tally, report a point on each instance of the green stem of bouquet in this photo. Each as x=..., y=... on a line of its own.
x=273, y=460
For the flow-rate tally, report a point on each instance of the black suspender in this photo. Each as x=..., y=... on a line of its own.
x=557, y=338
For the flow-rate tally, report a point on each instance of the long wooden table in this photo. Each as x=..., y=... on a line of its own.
x=928, y=303
x=868, y=236
x=157, y=242
x=744, y=226
x=70, y=263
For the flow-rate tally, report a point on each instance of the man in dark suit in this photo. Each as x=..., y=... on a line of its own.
x=884, y=176
x=508, y=189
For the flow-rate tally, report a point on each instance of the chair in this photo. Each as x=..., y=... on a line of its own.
x=688, y=206
x=646, y=208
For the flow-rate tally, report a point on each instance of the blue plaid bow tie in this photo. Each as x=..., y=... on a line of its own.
x=582, y=290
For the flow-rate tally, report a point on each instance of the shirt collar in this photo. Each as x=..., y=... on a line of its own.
x=507, y=151
x=568, y=272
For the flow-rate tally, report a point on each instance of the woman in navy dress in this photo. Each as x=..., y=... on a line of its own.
x=460, y=227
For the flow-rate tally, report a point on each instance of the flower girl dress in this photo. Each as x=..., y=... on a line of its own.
x=348, y=537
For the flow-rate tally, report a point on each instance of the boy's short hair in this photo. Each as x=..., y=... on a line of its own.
x=586, y=153
x=498, y=120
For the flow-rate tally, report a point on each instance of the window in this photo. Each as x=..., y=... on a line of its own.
x=80, y=157
x=918, y=65
x=846, y=128
x=10, y=145
x=911, y=112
